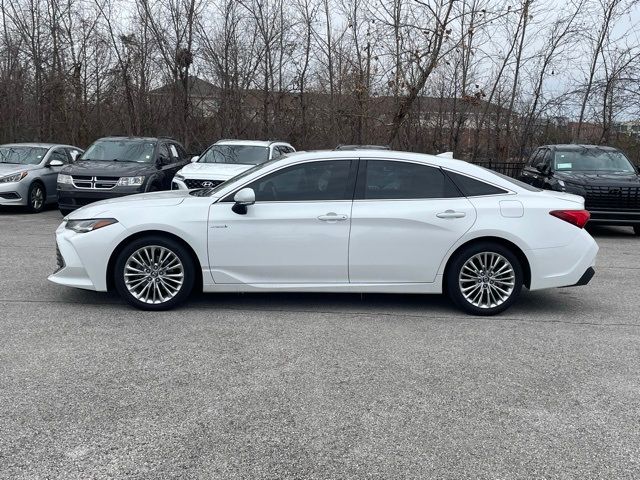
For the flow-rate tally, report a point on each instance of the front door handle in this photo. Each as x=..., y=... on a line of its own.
x=451, y=214
x=332, y=217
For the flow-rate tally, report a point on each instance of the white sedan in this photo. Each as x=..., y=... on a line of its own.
x=334, y=221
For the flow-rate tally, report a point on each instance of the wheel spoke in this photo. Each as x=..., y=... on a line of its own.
x=154, y=274
x=486, y=280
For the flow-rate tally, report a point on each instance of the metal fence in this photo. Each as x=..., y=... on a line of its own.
x=511, y=169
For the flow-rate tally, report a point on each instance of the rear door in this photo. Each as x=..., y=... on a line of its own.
x=405, y=218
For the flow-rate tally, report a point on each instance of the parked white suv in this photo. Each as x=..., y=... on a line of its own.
x=226, y=159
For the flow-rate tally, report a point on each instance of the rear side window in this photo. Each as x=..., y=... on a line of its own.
x=404, y=180
x=471, y=187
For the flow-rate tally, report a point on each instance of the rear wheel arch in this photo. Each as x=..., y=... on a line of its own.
x=517, y=251
x=153, y=233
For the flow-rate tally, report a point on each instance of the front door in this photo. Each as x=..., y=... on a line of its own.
x=405, y=218
x=297, y=232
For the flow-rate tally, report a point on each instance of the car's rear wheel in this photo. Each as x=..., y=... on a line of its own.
x=484, y=278
x=154, y=273
x=36, y=197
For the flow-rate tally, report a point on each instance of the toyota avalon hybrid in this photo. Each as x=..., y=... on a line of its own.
x=334, y=221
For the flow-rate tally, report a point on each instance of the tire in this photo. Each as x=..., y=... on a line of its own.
x=492, y=301
x=636, y=229
x=65, y=211
x=36, y=197
x=165, y=282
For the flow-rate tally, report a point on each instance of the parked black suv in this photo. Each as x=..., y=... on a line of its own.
x=118, y=166
x=608, y=181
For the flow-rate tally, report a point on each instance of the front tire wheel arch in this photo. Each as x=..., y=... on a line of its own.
x=197, y=287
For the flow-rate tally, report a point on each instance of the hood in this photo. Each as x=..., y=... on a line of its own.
x=100, y=168
x=213, y=171
x=141, y=200
x=606, y=179
x=9, y=168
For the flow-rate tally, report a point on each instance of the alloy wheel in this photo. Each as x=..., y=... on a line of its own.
x=154, y=274
x=487, y=280
x=37, y=197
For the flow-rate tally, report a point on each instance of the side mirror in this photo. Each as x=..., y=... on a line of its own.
x=195, y=158
x=243, y=199
x=56, y=163
x=543, y=168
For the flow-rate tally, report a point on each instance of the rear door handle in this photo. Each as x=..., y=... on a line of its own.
x=451, y=214
x=332, y=217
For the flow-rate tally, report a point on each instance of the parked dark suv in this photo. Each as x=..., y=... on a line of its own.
x=607, y=180
x=118, y=166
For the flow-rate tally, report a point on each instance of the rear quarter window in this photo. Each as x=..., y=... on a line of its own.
x=470, y=187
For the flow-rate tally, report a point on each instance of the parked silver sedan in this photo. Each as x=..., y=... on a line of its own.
x=29, y=172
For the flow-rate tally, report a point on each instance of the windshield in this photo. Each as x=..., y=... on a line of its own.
x=239, y=154
x=120, y=150
x=22, y=155
x=591, y=159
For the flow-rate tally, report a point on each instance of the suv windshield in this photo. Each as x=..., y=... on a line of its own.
x=591, y=159
x=120, y=150
x=22, y=155
x=242, y=154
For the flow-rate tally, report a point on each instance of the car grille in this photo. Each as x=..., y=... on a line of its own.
x=612, y=198
x=195, y=183
x=94, y=183
x=59, y=259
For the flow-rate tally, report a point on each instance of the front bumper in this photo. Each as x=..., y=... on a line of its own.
x=83, y=257
x=14, y=193
x=70, y=198
x=614, y=217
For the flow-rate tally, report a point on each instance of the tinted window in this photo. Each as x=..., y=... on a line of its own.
x=326, y=180
x=163, y=151
x=471, y=187
x=404, y=180
x=74, y=154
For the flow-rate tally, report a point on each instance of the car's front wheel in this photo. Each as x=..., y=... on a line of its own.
x=484, y=279
x=154, y=273
x=36, y=197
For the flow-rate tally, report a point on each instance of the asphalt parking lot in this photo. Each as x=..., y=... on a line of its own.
x=315, y=386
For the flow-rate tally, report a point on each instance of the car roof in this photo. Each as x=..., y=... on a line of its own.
x=580, y=146
x=144, y=139
x=36, y=144
x=255, y=143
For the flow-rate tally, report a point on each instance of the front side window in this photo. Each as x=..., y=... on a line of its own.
x=22, y=155
x=238, y=154
x=592, y=159
x=59, y=155
x=322, y=180
x=404, y=180
x=121, y=151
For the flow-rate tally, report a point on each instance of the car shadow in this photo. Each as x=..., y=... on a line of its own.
x=603, y=231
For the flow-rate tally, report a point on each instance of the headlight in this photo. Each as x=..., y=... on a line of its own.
x=84, y=226
x=14, y=177
x=179, y=177
x=130, y=181
x=67, y=179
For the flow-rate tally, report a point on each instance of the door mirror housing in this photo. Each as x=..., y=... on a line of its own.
x=243, y=199
x=543, y=168
x=195, y=158
x=56, y=163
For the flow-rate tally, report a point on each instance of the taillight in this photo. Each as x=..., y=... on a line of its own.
x=579, y=218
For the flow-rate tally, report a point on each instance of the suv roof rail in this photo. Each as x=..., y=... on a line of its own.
x=362, y=147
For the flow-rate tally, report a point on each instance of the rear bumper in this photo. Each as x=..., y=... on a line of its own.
x=585, y=278
x=563, y=266
x=73, y=199
x=617, y=217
